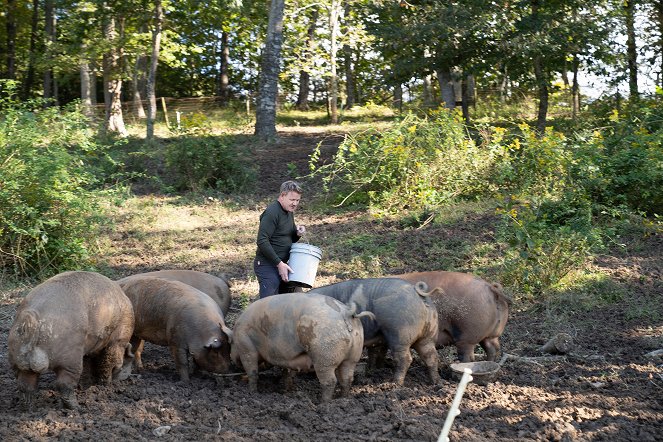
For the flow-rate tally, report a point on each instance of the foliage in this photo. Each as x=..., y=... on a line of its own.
x=627, y=159
x=417, y=163
x=198, y=162
x=547, y=239
x=48, y=209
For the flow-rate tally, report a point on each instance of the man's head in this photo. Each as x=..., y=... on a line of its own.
x=290, y=195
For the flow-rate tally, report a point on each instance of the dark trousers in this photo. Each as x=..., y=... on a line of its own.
x=270, y=281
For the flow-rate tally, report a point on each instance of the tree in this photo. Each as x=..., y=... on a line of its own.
x=265, y=127
x=114, y=121
x=334, y=14
x=151, y=77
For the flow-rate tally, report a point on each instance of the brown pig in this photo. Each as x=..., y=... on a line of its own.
x=300, y=333
x=179, y=316
x=218, y=288
x=470, y=310
x=64, y=319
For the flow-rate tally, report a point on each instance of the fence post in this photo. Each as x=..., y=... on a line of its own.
x=165, y=112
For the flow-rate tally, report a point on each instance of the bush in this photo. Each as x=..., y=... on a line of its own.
x=418, y=163
x=48, y=211
x=196, y=163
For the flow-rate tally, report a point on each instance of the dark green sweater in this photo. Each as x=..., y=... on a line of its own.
x=276, y=234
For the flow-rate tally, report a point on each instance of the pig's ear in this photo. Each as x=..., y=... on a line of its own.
x=214, y=343
x=227, y=331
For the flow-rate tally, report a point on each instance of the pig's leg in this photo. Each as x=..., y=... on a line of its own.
x=465, y=352
x=27, y=385
x=288, y=378
x=66, y=380
x=492, y=348
x=428, y=354
x=327, y=380
x=138, y=344
x=181, y=356
x=403, y=359
x=376, y=357
x=345, y=373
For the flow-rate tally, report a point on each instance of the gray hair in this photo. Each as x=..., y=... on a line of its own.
x=291, y=186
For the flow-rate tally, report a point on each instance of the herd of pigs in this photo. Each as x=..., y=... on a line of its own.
x=83, y=319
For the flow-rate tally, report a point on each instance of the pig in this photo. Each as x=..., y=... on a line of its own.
x=300, y=333
x=218, y=288
x=404, y=318
x=69, y=317
x=174, y=314
x=470, y=311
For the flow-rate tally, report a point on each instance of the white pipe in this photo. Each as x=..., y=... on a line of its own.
x=454, y=411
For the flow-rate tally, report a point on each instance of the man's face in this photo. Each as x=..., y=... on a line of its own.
x=289, y=201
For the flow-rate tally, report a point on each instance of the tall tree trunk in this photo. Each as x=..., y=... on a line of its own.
x=11, y=38
x=542, y=87
x=334, y=14
x=139, y=83
x=152, y=75
x=398, y=97
x=658, y=6
x=427, y=95
x=86, y=99
x=631, y=49
x=224, y=92
x=112, y=79
x=575, y=87
x=34, y=36
x=269, y=73
x=304, y=76
x=138, y=80
x=541, y=77
x=49, y=31
x=349, y=68
x=465, y=100
x=446, y=88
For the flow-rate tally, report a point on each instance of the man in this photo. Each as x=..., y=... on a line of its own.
x=276, y=234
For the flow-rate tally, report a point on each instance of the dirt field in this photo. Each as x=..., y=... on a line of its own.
x=605, y=389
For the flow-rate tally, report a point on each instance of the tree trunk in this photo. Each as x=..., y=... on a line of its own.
x=86, y=100
x=541, y=78
x=631, y=49
x=224, y=92
x=446, y=88
x=334, y=13
x=112, y=79
x=30, y=75
x=398, y=97
x=49, y=31
x=349, y=68
x=658, y=6
x=139, y=83
x=11, y=39
x=152, y=75
x=575, y=87
x=542, y=87
x=465, y=103
x=427, y=95
x=304, y=77
x=269, y=73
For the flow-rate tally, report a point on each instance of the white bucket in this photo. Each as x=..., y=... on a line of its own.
x=304, y=259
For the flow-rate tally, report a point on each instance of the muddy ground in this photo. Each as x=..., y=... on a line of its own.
x=605, y=389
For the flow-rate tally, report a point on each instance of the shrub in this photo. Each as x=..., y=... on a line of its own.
x=215, y=162
x=417, y=163
x=48, y=212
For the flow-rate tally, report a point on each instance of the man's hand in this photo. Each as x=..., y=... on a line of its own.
x=301, y=230
x=283, y=269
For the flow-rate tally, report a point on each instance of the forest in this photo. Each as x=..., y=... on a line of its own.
x=517, y=141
